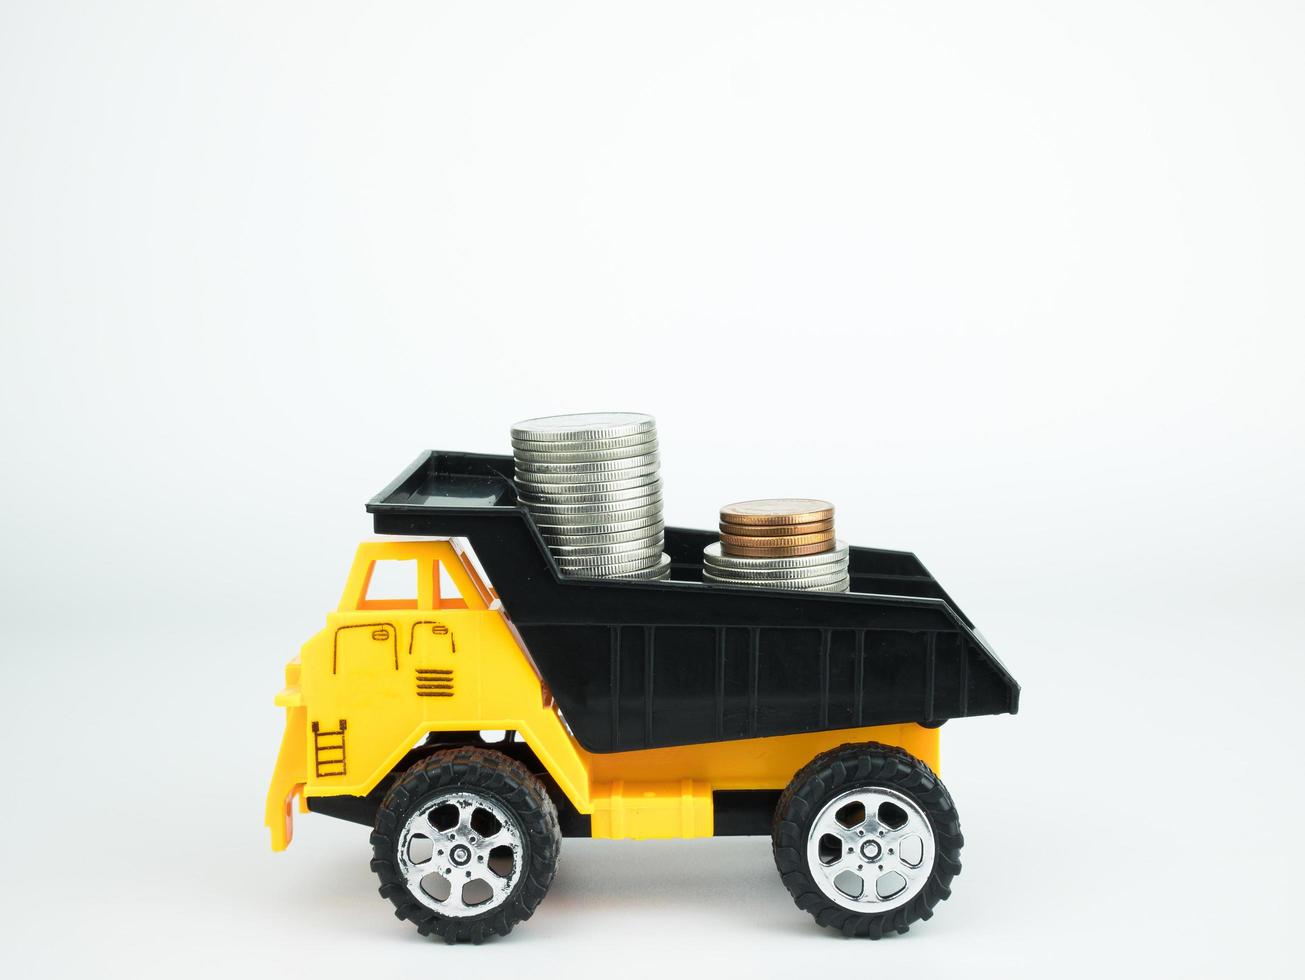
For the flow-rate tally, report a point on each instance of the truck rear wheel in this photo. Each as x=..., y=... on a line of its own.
x=466, y=844
x=867, y=840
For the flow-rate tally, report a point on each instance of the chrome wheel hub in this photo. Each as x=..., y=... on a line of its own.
x=461, y=854
x=871, y=849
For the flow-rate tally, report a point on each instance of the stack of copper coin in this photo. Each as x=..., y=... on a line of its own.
x=783, y=543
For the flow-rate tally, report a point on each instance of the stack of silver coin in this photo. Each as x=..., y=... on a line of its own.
x=824, y=572
x=592, y=484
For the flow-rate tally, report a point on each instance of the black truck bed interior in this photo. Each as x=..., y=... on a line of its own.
x=639, y=664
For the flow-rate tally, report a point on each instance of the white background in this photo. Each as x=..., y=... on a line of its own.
x=1017, y=285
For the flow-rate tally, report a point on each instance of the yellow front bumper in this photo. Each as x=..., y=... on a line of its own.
x=291, y=771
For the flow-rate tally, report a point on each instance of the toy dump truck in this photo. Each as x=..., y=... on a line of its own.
x=476, y=718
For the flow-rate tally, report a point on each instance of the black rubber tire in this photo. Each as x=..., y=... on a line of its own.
x=834, y=772
x=489, y=774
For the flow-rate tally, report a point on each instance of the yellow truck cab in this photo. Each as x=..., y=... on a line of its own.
x=472, y=719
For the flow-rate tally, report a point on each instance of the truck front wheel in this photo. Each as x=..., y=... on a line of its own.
x=466, y=844
x=867, y=840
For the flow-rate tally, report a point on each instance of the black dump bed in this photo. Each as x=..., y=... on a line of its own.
x=637, y=665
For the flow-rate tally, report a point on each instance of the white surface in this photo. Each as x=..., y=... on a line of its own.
x=1017, y=285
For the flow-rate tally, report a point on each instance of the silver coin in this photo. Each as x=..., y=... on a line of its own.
x=843, y=586
x=585, y=482
x=602, y=522
x=533, y=471
x=782, y=576
x=659, y=570
x=776, y=574
x=613, y=568
x=584, y=539
x=711, y=555
x=662, y=570
x=643, y=524
x=648, y=439
x=581, y=482
x=585, y=487
x=583, y=426
x=797, y=584
x=641, y=556
x=531, y=497
x=642, y=484
x=583, y=455
x=767, y=573
x=597, y=507
x=586, y=535
x=653, y=541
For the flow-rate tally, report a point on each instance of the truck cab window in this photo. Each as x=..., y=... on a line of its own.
x=447, y=593
x=391, y=585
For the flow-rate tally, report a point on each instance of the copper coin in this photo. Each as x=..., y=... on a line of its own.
x=731, y=541
x=777, y=510
x=788, y=551
x=766, y=531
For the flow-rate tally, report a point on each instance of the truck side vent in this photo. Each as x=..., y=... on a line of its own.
x=434, y=682
x=328, y=750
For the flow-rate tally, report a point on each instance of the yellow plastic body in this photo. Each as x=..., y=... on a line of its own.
x=383, y=674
